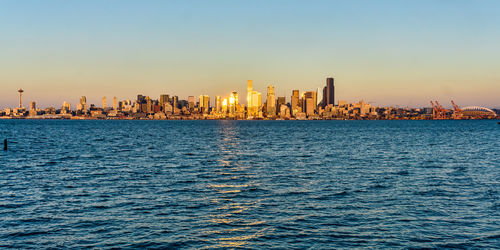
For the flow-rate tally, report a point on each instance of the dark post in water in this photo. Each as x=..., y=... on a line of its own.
x=5, y=144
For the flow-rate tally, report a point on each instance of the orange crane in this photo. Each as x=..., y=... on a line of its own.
x=457, y=112
x=438, y=110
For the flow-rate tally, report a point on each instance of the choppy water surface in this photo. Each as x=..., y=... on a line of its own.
x=251, y=184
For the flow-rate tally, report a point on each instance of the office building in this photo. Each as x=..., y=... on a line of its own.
x=104, y=103
x=191, y=102
x=309, y=102
x=294, y=103
x=271, y=102
x=163, y=100
x=329, y=92
x=115, y=104
x=218, y=104
x=204, y=103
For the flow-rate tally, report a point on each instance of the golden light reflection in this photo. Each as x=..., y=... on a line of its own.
x=232, y=217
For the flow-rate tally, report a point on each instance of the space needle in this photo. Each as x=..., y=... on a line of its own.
x=20, y=97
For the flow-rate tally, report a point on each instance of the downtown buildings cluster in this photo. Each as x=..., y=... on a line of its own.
x=308, y=105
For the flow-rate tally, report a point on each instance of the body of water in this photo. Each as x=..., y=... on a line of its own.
x=250, y=184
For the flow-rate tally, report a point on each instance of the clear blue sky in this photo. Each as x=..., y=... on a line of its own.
x=387, y=52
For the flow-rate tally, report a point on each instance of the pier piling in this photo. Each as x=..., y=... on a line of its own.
x=5, y=144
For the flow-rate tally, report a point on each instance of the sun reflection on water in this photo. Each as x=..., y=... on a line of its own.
x=231, y=215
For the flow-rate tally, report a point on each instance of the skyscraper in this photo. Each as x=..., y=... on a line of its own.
x=83, y=104
x=253, y=100
x=329, y=92
x=175, y=103
x=295, y=102
x=32, y=105
x=191, y=102
x=281, y=101
x=104, y=103
x=66, y=107
x=233, y=102
x=163, y=99
x=271, y=102
x=115, y=104
x=149, y=105
x=309, y=102
x=249, y=92
x=218, y=104
x=204, y=103
x=236, y=98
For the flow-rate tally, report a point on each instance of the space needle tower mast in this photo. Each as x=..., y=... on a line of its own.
x=20, y=97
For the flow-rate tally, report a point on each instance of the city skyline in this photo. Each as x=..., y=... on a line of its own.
x=250, y=92
x=387, y=52
x=305, y=105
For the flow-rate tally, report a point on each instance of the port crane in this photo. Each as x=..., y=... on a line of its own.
x=457, y=112
x=438, y=111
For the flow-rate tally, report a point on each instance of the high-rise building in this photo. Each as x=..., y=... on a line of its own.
x=233, y=102
x=175, y=103
x=163, y=99
x=271, y=102
x=236, y=98
x=309, y=105
x=249, y=92
x=32, y=111
x=191, y=102
x=115, y=104
x=66, y=108
x=253, y=100
x=329, y=92
x=104, y=103
x=204, y=103
x=225, y=105
x=83, y=104
x=295, y=102
x=149, y=105
x=218, y=104
x=319, y=97
x=281, y=101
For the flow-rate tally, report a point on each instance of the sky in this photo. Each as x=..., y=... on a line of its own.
x=388, y=53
